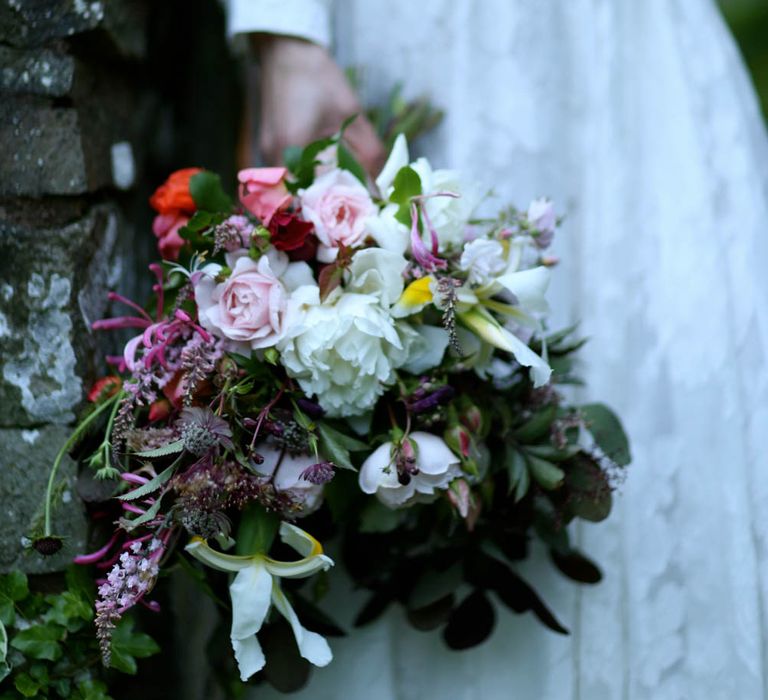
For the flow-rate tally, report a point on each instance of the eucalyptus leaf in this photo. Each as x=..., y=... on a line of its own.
x=546, y=474
x=608, y=432
x=537, y=426
x=471, y=623
x=517, y=473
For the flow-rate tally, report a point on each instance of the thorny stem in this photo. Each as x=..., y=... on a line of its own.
x=68, y=445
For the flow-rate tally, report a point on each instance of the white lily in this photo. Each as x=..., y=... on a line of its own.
x=256, y=586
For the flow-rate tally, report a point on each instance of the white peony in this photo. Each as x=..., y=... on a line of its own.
x=346, y=353
x=435, y=467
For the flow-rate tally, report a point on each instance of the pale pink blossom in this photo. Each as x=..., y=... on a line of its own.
x=264, y=191
x=339, y=207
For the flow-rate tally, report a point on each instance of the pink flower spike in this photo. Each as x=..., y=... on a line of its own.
x=427, y=260
x=132, y=478
x=92, y=558
x=108, y=324
x=152, y=605
x=132, y=509
x=158, y=271
x=114, y=296
x=183, y=316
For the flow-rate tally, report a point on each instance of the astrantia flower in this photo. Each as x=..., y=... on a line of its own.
x=347, y=353
x=201, y=430
x=257, y=586
x=403, y=474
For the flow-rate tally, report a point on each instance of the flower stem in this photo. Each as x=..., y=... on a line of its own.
x=68, y=445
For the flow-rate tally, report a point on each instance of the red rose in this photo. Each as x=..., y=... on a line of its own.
x=288, y=231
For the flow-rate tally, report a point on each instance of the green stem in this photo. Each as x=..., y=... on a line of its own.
x=68, y=445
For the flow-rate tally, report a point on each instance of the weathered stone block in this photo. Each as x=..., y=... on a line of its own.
x=36, y=71
x=35, y=22
x=53, y=284
x=25, y=460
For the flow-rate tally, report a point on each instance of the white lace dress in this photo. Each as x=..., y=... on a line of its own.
x=637, y=117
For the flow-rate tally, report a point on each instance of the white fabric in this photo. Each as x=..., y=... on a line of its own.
x=637, y=118
x=307, y=19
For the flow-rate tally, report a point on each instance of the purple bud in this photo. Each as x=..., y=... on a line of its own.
x=311, y=408
x=320, y=473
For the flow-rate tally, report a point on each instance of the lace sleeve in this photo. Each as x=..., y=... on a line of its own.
x=307, y=19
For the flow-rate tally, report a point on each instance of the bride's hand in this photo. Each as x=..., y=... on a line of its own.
x=305, y=96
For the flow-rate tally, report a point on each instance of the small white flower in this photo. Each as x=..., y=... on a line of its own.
x=256, y=586
x=483, y=259
x=435, y=466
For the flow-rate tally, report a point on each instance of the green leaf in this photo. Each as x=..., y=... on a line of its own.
x=257, y=530
x=407, y=184
x=292, y=157
x=608, y=432
x=26, y=685
x=5, y=671
x=13, y=588
x=151, y=485
x=129, y=645
x=39, y=642
x=93, y=690
x=591, y=497
x=209, y=195
x=517, y=473
x=376, y=517
x=336, y=446
x=3, y=643
x=164, y=451
x=68, y=610
x=434, y=585
x=546, y=474
x=537, y=426
x=552, y=453
x=148, y=515
x=347, y=161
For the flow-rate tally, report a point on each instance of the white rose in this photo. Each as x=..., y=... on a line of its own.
x=434, y=468
x=377, y=272
x=287, y=470
x=484, y=259
x=347, y=353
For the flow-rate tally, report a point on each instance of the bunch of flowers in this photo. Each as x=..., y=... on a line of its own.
x=367, y=359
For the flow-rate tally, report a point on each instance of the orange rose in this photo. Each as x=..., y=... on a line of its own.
x=173, y=197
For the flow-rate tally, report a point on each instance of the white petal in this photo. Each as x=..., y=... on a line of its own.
x=372, y=474
x=297, y=274
x=427, y=350
x=301, y=541
x=489, y=330
x=298, y=569
x=434, y=456
x=200, y=550
x=311, y=645
x=250, y=593
x=529, y=286
x=250, y=657
x=378, y=272
x=398, y=158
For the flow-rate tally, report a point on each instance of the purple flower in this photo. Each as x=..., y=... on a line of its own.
x=202, y=430
x=320, y=473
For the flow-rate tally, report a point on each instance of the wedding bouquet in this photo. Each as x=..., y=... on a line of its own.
x=363, y=363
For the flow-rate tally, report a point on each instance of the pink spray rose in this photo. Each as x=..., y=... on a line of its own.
x=338, y=205
x=166, y=228
x=258, y=303
x=264, y=191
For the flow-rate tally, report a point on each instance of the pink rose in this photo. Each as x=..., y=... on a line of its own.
x=166, y=228
x=264, y=191
x=250, y=306
x=338, y=205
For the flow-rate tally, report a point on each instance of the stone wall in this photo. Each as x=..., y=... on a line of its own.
x=73, y=121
